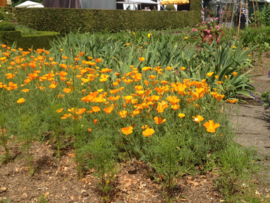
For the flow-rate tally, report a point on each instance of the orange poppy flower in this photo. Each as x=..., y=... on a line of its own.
x=95, y=121
x=234, y=74
x=80, y=111
x=98, y=60
x=148, y=132
x=152, y=77
x=127, y=130
x=95, y=109
x=161, y=106
x=181, y=115
x=21, y=100
x=67, y=90
x=232, y=101
x=159, y=120
x=25, y=90
x=183, y=68
x=209, y=74
x=173, y=99
x=59, y=110
x=175, y=107
x=211, y=126
x=146, y=83
x=123, y=114
x=10, y=75
x=198, y=118
x=146, y=68
x=89, y=130
x=52, y=86
x=108, y=110
x=142, y=59
x=103, y=78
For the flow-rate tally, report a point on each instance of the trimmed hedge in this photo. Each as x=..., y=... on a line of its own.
x=89, y=20
x=6, y=26
x=41, y=40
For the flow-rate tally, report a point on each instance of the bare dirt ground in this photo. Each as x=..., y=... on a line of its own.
x=57, y=182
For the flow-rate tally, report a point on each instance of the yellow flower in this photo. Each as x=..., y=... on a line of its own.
x=134, y=33
x=103, y=78
x=181, y=115
x=149, y=35
x=59, y=110
x=127, y=130
x=211, y=126
x=145, y=127
x=234, y=47
x=219, y=82
x=148, y=132
x=209, y=74
x=25, y=90
x=21, y=100
x=52, y=86
x=186, y=37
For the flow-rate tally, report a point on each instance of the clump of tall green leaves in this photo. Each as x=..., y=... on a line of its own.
x=101, y=155
x=164, y=156
x=4, y=139
x=236, y=169
x=26, y=129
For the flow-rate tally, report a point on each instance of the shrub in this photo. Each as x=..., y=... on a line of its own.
x=170, y=7
x=7, y=26
x=2, y=15
x=25, y=30
x=88, y=20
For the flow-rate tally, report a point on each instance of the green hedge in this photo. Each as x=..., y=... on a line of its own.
x=89, y=20
x=41, y=40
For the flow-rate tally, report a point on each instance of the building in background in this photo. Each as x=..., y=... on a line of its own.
x=62, y=3
x=98, y=4
x=5, y=2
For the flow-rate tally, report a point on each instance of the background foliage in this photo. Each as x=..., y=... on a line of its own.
x=88, y=20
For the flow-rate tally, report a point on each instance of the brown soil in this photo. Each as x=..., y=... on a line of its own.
x=261, y=64
x=58, y=182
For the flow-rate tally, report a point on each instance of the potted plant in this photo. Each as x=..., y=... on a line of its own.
x=212, y=14
x=208, y=13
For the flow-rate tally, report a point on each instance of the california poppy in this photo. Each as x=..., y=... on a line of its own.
x=142, y=59
x=59, y=110
x=209, y=74
x=21, y=100
x=181, y=115
x=198, y=118
x=67, y=90
x=211, y=126
x=127, y=130
x=95, y=109
x=159, y=120
x=148, y=132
